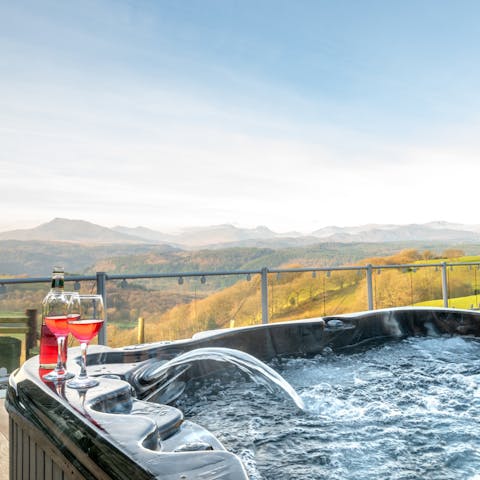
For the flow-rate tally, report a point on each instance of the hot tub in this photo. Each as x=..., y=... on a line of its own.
x=127, y=427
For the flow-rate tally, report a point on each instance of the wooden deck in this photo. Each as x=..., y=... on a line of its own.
x=4, y=460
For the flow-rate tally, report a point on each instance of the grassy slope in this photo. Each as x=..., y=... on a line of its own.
x=299, y=295
x=174, y=311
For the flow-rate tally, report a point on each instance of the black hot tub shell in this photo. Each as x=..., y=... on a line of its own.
x=112, y=432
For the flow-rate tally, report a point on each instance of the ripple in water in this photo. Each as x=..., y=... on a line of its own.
x=408, y=410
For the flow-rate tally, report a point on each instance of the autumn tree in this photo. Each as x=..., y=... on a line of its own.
x=453, y=253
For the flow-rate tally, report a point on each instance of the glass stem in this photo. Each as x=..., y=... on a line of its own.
x=60, y=342
x=83, y=365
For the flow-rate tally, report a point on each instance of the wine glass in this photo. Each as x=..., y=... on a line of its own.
x=86, y=319
x=55, y=314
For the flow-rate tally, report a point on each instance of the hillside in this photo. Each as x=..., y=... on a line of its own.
x=36, y=258
x=175, y=310
x=301, y=295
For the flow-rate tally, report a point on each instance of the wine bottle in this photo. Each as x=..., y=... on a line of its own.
x=48, y=341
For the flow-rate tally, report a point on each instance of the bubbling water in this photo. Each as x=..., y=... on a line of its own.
x=404, y=410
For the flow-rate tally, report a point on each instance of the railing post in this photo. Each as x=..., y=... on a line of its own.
x=101, y=290
x=264, y=295
x=369, y=286
x=444, y=284
x=31, y=340
x=140, y=330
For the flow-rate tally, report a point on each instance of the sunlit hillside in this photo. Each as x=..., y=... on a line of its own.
x=174, y=309
x=303, y=295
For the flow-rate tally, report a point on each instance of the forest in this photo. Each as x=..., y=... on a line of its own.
x=302, y=295
x=174, y=309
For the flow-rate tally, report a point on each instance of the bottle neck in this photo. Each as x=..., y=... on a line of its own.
x=57, y=282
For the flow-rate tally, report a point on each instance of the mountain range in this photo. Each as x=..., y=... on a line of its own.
x=81, y=231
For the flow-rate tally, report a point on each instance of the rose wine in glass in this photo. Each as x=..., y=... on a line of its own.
x=85, y=330
x=85, y=321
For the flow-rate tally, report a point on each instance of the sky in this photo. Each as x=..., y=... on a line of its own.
x=295, y=115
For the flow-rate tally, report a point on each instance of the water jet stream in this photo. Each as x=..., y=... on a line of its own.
x=256, y=370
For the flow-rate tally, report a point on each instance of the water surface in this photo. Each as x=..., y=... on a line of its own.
x=404, y=410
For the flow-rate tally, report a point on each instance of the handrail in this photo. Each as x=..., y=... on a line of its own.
x=101, y=279
x=137, y=276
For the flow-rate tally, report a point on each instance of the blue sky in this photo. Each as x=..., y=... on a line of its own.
x=290, y=114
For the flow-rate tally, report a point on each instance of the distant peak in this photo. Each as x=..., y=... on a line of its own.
x=66, y=220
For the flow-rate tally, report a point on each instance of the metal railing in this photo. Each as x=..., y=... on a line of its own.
x=102, y=278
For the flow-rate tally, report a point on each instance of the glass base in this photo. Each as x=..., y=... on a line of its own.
x=81, y=383
x=56, y=376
